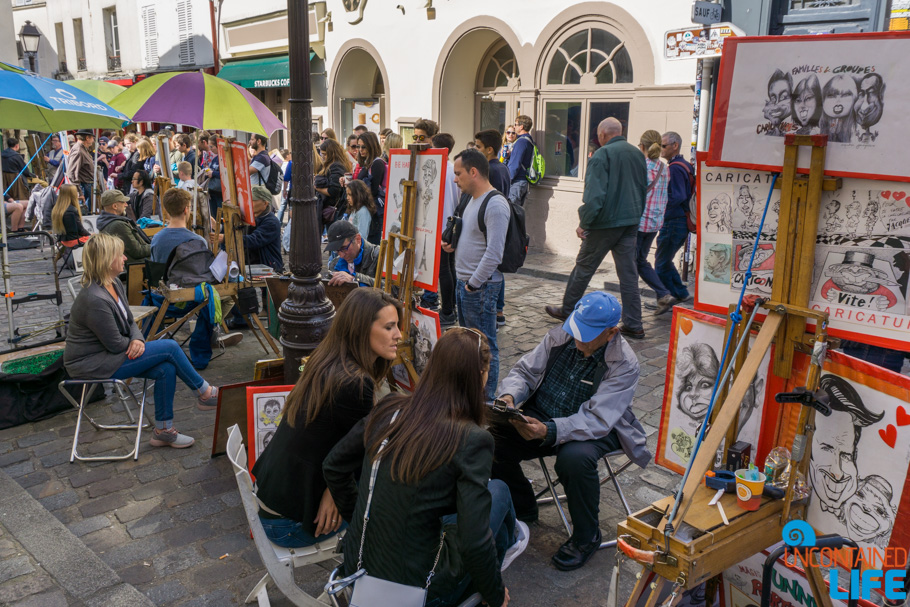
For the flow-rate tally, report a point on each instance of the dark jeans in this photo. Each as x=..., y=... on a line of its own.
x=892, y=360
x=288, y=533
x=477, y=310
x=645, y=271
x=163, y=361
x=447, y=282
x=576, y=467
x=502, y=525
x=621, y=242
x=671, y=239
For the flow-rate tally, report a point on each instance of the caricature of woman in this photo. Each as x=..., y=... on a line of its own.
x=870, y=214
x=868, y=513
x=777, y=107
x=807, y=105
x=838, y=97
x=719, y=212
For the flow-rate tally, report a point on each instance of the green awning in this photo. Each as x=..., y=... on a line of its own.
x=267, y=73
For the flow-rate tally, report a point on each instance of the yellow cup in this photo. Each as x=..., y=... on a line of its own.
x=748, y=492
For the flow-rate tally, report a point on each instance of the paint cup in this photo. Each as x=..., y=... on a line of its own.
x=748, y=492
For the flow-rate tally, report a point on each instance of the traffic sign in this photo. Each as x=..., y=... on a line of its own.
x=706, y=13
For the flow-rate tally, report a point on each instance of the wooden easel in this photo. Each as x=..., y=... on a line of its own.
x=404, y=243
x=698, y=545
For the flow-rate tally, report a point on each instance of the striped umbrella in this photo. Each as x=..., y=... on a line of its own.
x=196, y=99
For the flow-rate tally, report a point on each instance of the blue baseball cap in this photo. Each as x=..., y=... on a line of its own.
x=593, y=314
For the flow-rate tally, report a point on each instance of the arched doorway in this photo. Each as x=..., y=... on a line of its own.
x=479, y=85
x=358, y=92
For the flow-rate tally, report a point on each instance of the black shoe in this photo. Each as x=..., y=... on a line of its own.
x=236, y=325
x=627, y=332
x=447, y=320
x=501, y=319
x=556, y=312
x=571, y=555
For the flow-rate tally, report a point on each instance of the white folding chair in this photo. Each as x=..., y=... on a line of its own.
x=556, y=498
x=279, y=562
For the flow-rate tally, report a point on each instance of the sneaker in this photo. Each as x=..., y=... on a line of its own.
x=522, y=537
x=500, y=319
x=170, y=438
x=210, y=403
x=665, y=304
x=447, y=320
x=231, y=339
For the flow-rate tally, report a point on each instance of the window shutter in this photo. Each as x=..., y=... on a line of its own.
x=185, y=32
x=150, y=32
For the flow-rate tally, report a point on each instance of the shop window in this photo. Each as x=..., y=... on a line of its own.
x=599, y=112
x=592, y=51
x=561, y=131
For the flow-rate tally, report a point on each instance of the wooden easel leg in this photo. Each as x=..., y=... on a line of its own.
x=159, y=318
x=644, y=578
x=254, y=319
x=656, y=588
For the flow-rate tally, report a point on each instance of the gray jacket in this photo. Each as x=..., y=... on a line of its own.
x=611, y=406
x=98, y=336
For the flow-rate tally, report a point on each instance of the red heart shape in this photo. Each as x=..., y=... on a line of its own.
x=899, y=195
x=886, y=194
x=889, y=435
x=903, y=418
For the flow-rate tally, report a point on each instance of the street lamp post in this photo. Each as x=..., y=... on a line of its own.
x=30, y=37
x=306, y=314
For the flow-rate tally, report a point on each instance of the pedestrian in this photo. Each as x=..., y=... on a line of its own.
x=612, y=205
x=653, y=217
x=372, y=170
x=66, y=218
x=118, y=160
x=261, y=164
x=335, y=163
x=185, y=179
x=360, y=207
x=286, y=188
x=80, y=165
x=675, y=231
x=142, y=198
x=328, y=133
x=351, y=147
x=185, y=146
x=147, y=161
x=124, y=178
x=508, y=140
x=478, y=255
x=520, y=158
x=54, y=157
x=13, y=165
x=392, y=141
x=383, y=134
x=104, y=342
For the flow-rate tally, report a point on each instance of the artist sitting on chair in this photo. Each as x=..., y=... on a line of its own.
x=356, y=259
x=575, y=390
x=113, y=220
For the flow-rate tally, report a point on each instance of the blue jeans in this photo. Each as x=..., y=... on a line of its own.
x=282, y=207
x=883, y=357
x=502, y=524
x=201, y=339
x=518, y=192
x=671, y=239
x=477, y=310
x=163, y=361
x=288, y=533
x=645, y=271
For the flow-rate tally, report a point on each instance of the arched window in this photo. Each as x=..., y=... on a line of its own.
x=587, y=77
x=500, y=67
x=497, y=88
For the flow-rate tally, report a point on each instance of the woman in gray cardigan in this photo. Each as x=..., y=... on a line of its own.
x=103, y=342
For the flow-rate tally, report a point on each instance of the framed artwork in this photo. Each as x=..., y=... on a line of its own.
x=242, y=180
x=264, y=407
x=696, y=347
x=827, y=84
x=232, y=409
x=862, y=253
x=425, y=332
x=428, y=224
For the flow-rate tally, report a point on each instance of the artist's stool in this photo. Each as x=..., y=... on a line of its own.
x=556, y=498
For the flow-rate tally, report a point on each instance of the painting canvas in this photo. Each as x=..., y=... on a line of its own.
x=264, y=407
x=425, y=332
x=696, y=347
x=845, y=86
x=862, y=254
x=428, y=224
x=242, y=180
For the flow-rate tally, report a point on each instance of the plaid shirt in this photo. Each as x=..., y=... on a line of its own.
x=656, y=200
x=570, y=382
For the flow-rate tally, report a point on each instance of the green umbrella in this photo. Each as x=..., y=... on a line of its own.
x=105, y=91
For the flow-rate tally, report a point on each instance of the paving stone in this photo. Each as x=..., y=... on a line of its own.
x=103, y=504
x=109, y=486
x=227, y=544
x=135, y=510
x=148, y=474
x=182, y=496
x=89, y=525
x=196, y=510
x=60, y=500
x=231, y=500
x=167, y=593
x=20, y=469
x=122, y=595
x=140, y=573
x=61, y=444
x=219, y=486
x=198, y=475
x=212, y=599
x=90, y=476
x=104, y=539
x=55, y=459
x=31, y=440
x=127, y=554
x=149, y=524
x=177, y=560
x=188, y=534
x=46, y=599
x=13, y=568
x=144, y=492
x=215, y=574
x=20, y=455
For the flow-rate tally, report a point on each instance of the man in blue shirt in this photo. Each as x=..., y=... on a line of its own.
x=520, y=160
x=176, y=202
x=675, y=231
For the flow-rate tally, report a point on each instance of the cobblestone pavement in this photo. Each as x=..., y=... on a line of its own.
x=171, y=524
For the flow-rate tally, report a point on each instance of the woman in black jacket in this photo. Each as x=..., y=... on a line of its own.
x=372, y=167
x=335, y=164
x=432, y=485
x=66, y=218
x=334, y=392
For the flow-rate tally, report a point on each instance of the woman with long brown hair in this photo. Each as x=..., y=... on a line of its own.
x=335, y=164
x=432, y=494
x=360, y=207
x=66, y=217
x=334, y=392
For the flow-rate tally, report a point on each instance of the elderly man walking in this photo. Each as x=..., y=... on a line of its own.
x=614, y=199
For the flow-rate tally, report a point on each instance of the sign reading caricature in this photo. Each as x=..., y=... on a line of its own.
x=849, y=87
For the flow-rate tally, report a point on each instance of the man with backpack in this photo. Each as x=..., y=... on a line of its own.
x=520, y=160
x=614, y=199
x=675, y=231
x=263, y=170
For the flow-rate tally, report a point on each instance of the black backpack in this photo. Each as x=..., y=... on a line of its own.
x=273, y=183
x=517, y=239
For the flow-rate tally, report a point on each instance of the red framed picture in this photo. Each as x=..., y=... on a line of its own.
x=264, y=406
x=425, y=332
x=429, y=221
x=771, y=86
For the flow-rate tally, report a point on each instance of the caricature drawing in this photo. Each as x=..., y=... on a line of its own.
x=832, y=221
x=853, y=211
x=869, y=107
x=857, y=275
x=762, y=255
x=428, y=173
x=807, y=105
x=832, y=461
x=839, y=96
x=746, y=203
x=266, y=439
x=423, y=255
x=870, y=214
x=719, y=215
x=868, y=513
x=777, y=107
x=717, y=263
x=269, y=411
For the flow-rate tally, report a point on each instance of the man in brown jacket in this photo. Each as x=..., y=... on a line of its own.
x=80, y=164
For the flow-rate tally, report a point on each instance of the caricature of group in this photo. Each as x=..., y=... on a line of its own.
x=846, y=109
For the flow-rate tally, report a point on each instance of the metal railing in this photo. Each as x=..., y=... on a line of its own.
x=113, y=63
x=81, y=64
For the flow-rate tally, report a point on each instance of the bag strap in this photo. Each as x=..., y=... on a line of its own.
x=482, y=212
x=688, y=172
x=660, y=170
x=366, y=513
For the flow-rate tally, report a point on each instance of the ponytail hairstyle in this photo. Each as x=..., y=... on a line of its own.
x=650, y=143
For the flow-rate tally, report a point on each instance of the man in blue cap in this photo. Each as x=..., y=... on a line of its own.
x=575, y=390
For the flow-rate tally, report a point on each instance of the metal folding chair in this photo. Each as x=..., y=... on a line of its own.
x=556, y=498
x=125, y=394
